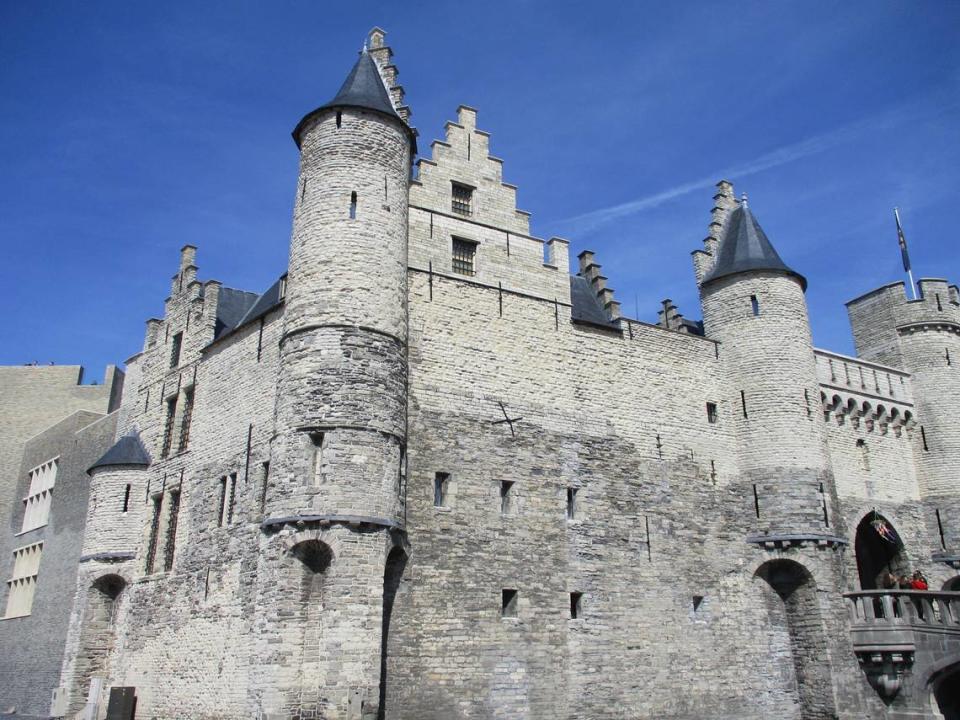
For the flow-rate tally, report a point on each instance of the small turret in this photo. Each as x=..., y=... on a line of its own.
x=753, y=304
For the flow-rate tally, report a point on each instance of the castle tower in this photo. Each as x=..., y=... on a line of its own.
x=334, y=506
x=922, y=336
x=753, y=303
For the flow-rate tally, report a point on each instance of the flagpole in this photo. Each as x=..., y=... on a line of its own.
x=903, y=250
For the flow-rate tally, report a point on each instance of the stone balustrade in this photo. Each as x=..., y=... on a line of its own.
x=894, y=631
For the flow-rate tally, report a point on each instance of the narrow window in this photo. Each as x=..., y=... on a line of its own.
x=712, y=413
x=339, y=119
x=947, y=352
x=173, y=501
x=576, y=605
x=823, y=504
x=943, y=542
x=263, y=491
x=441, y=486
x=743, y=402
x=756, y=500
x=506, y=497
x=806, y=400
x=175, y=349
x=353, y=206
x=228, y=490
x=923, y=436
x=185, y=420
x=864, y=454
x=755, y=305
x=168, y=426
x=713, y=472
x=154, y=530
x=571, y=503
x=697, y=602
x=939, y=306
x=317, y=440
x=464, y=257
x=462, y=199
x=126, y=498
x=508, y=603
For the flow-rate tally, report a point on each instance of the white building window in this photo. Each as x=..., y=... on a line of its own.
x=37, y=503
x=20, y=588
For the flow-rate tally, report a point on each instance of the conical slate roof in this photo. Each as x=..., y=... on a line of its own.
x=128, y=450
x=363, y=88
x=745, y=247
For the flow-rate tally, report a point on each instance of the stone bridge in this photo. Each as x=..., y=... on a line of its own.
x=908, y=644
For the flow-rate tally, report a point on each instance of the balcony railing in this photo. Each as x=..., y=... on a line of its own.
x=922, y=609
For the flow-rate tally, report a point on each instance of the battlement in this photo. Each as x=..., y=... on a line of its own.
x=724, y=202
x=880, y=317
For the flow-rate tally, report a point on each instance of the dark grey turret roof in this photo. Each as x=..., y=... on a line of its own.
x=363, y=88
x=745, y=248
x=128, y=450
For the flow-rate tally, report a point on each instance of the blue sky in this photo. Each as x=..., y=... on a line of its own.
x=130, y=129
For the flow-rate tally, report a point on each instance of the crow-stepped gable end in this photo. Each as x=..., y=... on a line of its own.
x=435, y=472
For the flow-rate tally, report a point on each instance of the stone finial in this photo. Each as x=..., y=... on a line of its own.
x=375, y=38
x=467, y=117
x=188, y=256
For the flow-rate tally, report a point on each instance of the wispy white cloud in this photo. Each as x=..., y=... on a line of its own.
x=910, y=112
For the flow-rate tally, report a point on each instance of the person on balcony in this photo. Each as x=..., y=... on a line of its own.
x=919, y=582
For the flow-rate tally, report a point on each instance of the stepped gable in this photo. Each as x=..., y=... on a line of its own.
x=745, y=248
x=128, y=450
x=592, y=302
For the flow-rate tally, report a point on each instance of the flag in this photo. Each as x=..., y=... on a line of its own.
x=886, y=531
x=903, y=243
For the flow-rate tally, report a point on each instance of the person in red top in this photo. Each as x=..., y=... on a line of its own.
x=919, y=582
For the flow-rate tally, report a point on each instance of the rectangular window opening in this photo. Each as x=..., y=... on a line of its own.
x=185, y=420
x=317, y=439
x=441, y=487
x=506, y=497
x=756, y=500
x=464, y=257
x=462, y=199
x=576, y=605
x=712, y=413
x=754, y=305
x=697, y=602
x=126, y=498
x=943, y=542
x=175, y=349
x=23, y=582
x=353, y=205
x=508, y=603
x=923, y=437
x=263, y=491
x=947, y=353
x=823, y=503
x=168, y=426
x=173, y=502
x=743, y=403
x=36, y=510
x=806, y=400
x=571, y=503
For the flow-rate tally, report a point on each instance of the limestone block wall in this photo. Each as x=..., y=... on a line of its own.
x=656, y=546
x=115, y=510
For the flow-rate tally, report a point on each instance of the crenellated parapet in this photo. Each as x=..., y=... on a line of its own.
x=724, y=202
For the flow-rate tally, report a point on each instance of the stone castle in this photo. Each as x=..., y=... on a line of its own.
x=434, y=473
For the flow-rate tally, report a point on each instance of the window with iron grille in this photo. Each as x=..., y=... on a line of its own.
x=185, y=420
x=228, y=494
x=464, y=256
x=175, y=349
x=154, y=530
x=168, y=426
x=462, y=200
x=173, y=501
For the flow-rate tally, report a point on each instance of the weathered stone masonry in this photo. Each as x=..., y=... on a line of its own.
x=431, y=474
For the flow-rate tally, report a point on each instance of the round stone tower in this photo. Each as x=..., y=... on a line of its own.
x=753, y=303
x=334, y=506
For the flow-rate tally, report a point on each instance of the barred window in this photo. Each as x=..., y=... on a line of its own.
x=173, y=503
x=175, y=349
x=464, y=255
x=712, y=415
x=20, y=587
x=168, y=426
x=185, y=420
x=154, y=531
x=462, y=201
x=37, y=503
x=228, y=494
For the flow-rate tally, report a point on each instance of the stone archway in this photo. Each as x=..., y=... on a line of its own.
x=97, y=634
x=879, y=551
x=945, y=689
x=952, y=585
x=791, y=599
x=305, y=616
x=392, y=574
